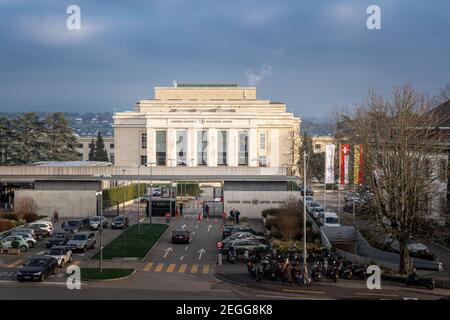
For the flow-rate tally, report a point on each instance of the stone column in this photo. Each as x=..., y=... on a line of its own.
x=212, y=147
x=171, y=147
x=252, y=148
x=273, y=137
x=192, y=147
x=232, y=147
x=151, y=145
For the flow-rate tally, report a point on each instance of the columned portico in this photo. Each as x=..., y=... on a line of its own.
x=206, y=125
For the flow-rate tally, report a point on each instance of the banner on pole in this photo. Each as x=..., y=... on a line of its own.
x=358, y=167
x=343, y=165
x=329, y=163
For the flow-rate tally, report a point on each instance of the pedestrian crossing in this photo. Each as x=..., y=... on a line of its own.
x=176, y=268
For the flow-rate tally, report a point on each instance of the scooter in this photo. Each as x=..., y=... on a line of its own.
x=415, y=280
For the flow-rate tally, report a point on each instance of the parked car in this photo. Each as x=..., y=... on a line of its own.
x=316, y=211
x=352, y=196
x=314, y=180
x=58, y=239
x=229, y=230
x=38, y=231
x=414, y=247
x=77, y=225
x=37, y=268
x=29, y=233
x=27, y=237
x=44, y=226
x=144, y=198
x=8, y=243
x=61, y=253
x=241, y=245
x=156, y=192
x=243, y=235
x=180, y=236
x=309, y=191
x=82, y=241
x=330, y=219
x=96, y=221
x=312, y=205
x=118, y=222
x=308, y=199
x=348, y=206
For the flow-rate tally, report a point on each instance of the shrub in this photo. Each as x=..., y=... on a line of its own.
x=6, y=225
x=30, y=217
x=11, y=216
x=269, y=212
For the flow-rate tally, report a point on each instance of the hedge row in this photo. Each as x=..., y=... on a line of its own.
x=191, y=189
x=121, y=194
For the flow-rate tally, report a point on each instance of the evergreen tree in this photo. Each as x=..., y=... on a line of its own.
x=92, y=151
x=30, y=141
x=6, y=140
x=100, y=151
x=61, y=141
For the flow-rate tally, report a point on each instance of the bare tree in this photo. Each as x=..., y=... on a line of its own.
x=288, y=223
x=442, y=96
x=404, y=152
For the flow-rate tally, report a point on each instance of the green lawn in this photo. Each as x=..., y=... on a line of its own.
x=107, y=273
x=134, y=247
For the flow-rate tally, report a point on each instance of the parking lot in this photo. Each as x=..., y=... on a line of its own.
x=10, y=264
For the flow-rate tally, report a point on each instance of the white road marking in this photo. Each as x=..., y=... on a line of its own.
x=167, y=251
x=201, y=252
x=209, y=228
x=186, y=248
x=181, y=258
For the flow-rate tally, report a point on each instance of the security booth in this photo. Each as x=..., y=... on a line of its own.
x=161, y=200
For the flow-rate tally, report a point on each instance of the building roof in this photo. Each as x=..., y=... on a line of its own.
x=206, y=85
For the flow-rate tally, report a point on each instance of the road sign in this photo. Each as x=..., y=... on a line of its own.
x=219, y=245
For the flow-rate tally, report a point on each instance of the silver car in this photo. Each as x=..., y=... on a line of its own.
x=82, y=241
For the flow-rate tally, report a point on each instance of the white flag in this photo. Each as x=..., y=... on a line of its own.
x=329, y=163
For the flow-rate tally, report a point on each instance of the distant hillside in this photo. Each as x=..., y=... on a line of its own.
x=317, y=126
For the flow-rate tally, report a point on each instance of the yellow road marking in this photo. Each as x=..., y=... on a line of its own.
x=205, y=269
x=182, y=268
x=15, y=263
x=171, y=267
x=194, y=268
x=303, y=291
x=159, y=267
x=147, y=267
x=375, y=294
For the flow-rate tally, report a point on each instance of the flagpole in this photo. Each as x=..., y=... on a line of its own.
x=339, y=184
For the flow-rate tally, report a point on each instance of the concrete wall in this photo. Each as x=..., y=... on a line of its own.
x=252, y=203
x=67, y=185
x=70, y=204
x=255, y=186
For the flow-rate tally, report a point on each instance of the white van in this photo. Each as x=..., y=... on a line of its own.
x=330, y=219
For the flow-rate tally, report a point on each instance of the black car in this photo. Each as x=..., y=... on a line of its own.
x=229, y=230
x=309, y=191
x=40, y=233
x=180, y=236
x=58, y=239
x=118, y=222
x=77, y=225
x=37, y=268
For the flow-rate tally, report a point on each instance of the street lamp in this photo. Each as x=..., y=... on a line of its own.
x=100, y=210
x=305, y=264
x=124, y=217
x=151, y=192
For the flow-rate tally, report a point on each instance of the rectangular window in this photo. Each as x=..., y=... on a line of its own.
x=143, y=160
x=144, y=140
x=262, y=161
x=443, y=170
x=243, y=148
x=161, y=148
x=111, y=157
x=318, y=147
x=222, y=148
x=111, y=145
x=80, y=146
x=181, y=147
x=443, y=205
x=202, y=148
x=262, y=141
x=426, y=168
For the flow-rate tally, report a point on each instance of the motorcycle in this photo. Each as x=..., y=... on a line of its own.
x=359, y=271
x=415, y=280
x=316, y=273
x=332, y=273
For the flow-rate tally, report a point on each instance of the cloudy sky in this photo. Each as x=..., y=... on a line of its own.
x=313, y=55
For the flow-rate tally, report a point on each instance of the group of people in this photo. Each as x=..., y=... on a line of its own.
x=234, y=214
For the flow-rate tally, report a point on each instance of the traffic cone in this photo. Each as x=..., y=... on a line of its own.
x=207, y=219
x=199, y=217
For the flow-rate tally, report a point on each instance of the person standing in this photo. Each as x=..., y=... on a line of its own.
x=232, y=214
x=181, y=208
x=237, y=214
x=55, y=216
x=207, y=210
